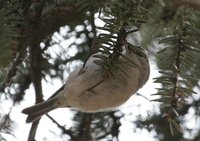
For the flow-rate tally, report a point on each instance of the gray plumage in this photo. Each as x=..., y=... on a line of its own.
x=88, y=90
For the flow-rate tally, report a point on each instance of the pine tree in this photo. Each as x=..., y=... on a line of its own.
x=32, y=36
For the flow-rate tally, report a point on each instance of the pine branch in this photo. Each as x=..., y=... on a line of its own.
x=177, y=69
x=118, y=24
x=176, y=65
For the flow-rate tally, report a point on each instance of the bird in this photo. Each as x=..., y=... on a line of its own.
x=91, y=88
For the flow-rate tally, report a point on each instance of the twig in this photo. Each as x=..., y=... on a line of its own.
x=138, y=94
x=65, y=131
x=36, y=77
x=116, y=125
x=31, y=136
x=13, y=69
x=84, y=133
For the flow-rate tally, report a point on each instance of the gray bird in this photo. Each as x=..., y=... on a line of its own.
x=92, y=88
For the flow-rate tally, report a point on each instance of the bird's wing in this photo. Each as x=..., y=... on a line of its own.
x=84, y=78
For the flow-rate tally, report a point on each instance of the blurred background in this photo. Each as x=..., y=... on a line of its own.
x=43, y=41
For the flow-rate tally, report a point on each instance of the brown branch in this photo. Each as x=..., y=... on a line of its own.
x=32, y=133
x=65, y=131
x=84, y=134
x=87, y=123
x=36, y=77
x=84, y=128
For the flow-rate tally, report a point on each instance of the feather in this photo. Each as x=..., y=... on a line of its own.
x=36, y=111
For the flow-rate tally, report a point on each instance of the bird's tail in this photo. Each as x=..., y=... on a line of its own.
x=36, y=111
